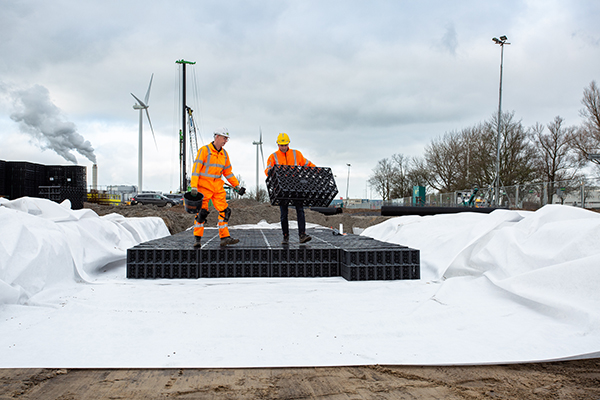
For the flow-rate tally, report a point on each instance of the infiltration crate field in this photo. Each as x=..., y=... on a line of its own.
x=310, y=186
x=260, y=254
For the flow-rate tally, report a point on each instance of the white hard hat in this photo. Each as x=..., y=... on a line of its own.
x=222, y=132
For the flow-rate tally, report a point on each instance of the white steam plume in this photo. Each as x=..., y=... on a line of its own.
x=38, y=116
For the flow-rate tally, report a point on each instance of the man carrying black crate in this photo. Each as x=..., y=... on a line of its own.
x=287, y=156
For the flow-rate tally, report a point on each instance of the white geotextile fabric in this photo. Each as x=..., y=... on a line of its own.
x=46, y=244
x=495, y=288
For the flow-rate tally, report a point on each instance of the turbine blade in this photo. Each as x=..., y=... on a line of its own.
x=141, y=103
x=151, y=128
x=148, y=92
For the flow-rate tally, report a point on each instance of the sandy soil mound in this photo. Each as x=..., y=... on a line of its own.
x=244, y=211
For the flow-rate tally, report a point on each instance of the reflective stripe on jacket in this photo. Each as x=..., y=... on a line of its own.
x=290, y=157
x=208, y=167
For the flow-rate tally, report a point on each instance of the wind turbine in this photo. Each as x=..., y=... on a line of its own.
x=257, y=144
x=143, y=106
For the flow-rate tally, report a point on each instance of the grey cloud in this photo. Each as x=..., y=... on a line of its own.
x=449, y=42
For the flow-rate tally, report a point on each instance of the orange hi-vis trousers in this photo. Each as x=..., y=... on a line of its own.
x=220, y=204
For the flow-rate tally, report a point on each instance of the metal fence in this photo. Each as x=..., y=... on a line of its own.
x=580, y=193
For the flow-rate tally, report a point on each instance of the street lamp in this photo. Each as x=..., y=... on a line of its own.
x=348, y=181
x=502, y=41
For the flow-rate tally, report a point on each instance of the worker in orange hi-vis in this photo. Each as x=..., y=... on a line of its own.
x=212, y=162
x=287, y=156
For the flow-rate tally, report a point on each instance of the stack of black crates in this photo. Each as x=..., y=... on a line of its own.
x=311, y=186
x=3, y=190
x=54, y=182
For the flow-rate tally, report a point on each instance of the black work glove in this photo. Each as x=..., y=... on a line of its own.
x=240, y=190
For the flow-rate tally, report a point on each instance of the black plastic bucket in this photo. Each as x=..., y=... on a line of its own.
x=192, y=204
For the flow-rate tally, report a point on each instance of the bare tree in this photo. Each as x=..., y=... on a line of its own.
x=555, y=159
x=479, y=143
x=383, y=178
x=418, y=174
x=444, y=161
x=517, y=152
x=401, y=185
x=261, y=195
x=467, y=158
x=586, y=141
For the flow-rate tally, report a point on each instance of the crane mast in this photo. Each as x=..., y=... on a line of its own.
x=182, y=132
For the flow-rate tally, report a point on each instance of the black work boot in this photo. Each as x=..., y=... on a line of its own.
x=197, y=244
x=304, y=238
x=226, y=241
x=286, y=240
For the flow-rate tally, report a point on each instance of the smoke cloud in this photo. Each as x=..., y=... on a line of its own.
x=39, y=117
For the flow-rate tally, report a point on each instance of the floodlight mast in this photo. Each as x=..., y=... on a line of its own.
x=502, y=41
x=182, y=153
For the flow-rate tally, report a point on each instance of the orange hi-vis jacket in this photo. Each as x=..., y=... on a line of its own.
x=290, y=157
x=209, y=165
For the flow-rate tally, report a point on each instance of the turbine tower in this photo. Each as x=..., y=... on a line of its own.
x=143, y=106
x=259, y=144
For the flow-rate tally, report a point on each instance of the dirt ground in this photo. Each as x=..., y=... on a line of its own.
x=244, y=211
x=558, y=380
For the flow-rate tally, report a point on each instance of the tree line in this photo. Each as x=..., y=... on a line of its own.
x=466, y=158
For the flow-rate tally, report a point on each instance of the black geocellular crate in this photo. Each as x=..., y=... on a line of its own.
x=292, y=184
x=65, y=175
x=3, y=191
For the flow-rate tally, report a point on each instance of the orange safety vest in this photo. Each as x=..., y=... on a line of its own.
x=290, y=157
x=209, y=166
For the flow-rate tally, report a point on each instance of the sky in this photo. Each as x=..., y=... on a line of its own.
x=351, y=82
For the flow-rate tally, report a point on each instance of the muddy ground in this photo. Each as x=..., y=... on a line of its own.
x=559, y=380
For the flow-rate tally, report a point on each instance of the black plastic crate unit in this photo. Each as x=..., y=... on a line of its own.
x=3, y=191
x=383, y=256
x=304, y=261
x=144, y=263
x=311, y=186
x=60, y=193
x=234, y=262
x=22, y=170
x=380, y=272
x=66, y=175
x=53, y=193
x=380, y=263
x=23, y=179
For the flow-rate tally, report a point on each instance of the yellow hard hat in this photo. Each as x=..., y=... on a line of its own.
x=283, y=138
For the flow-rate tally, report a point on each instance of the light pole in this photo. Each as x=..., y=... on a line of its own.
x=502, y=41
x=348, y=181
